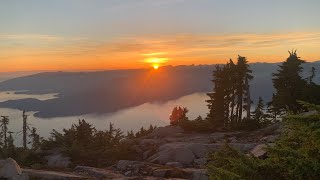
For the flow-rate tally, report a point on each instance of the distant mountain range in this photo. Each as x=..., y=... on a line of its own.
x=82, y=93
x=10, y=75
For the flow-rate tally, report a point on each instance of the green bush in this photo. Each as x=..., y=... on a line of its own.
x=197, y=125
x=294, y=156
x=85, y=145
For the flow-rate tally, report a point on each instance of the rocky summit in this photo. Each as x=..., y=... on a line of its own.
x=166, y=153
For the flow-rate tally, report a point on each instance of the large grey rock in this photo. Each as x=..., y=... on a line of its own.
x=270, y=138
x=146, y=154
x=9, y=169
x=58, y=160
x=243, y=147
x=173, y=153
x=122, y=165
x=184, y=155
x=199, y=150
x=160, y=173
x=200, y=162
x=97, y=173
x=51, y=175
x=175, y=164
x=271, y=130
x=217, y=136
x=187, y=153
x=259, y=151
x=197, y=174
x=166, y=131
x=147, y=142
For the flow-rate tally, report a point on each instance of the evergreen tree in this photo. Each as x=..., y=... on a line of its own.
x=259, y=118
x=311, y=92
x=35, y=139
x=273, y=110
x=83, y=132
x=178, y=114
x=217, y=102
x=231, y=94
x=289, y=84
x=232, y=81
x=11, y=149
x=258, y=113
x=243, y=88
x=130, y=135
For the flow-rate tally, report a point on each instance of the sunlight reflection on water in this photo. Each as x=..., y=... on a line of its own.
x=126, y=119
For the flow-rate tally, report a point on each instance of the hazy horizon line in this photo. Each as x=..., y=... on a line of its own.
x=115, y=69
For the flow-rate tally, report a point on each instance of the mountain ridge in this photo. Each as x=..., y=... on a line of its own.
x=82, y=93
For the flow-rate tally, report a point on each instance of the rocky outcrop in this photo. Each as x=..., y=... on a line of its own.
x=166, y=131
x=145, y=169
x=175, y=164
x=173, y=153
x=168, y=152
x=57, y=160
x=189, y=154
x=51, y=175
x=197, y=174
x=97, y=173
x=274, y=129
x=259, y=151
x=9, y=169
x=123, y=165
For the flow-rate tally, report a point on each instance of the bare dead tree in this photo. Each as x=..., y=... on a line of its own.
x=4, y=126
x=24, y=128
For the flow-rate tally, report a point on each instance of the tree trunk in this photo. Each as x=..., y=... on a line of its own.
x=232, y=108
x=24, y=129
x=240, y=103
x=248, y=99
x=237, y=111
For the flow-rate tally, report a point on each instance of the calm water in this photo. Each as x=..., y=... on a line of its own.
x=10, y=95
x=127, y=119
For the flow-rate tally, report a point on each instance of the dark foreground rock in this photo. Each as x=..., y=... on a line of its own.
x=166, y=153
x=141, y=170
x=169, y=152
x=9, y=169
x=51, y=175
x=97, y=173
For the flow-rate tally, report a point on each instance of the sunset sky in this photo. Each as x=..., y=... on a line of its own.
x=75, y=35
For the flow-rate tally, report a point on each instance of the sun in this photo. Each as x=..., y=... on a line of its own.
x=155, y=66
x=155, y=62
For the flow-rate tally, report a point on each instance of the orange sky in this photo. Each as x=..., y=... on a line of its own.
x=42, y=35
x=34, y=52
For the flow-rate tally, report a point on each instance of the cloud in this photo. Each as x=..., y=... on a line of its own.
x=171, y=44
x=155, y=54
x=133, y=51
x=165, y=2
x=37, y=37
x=187, y=43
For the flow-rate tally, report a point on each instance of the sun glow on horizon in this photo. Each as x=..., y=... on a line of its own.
x=155, y=54
x=63, y=53
x=155, y=66
x=154, y=60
